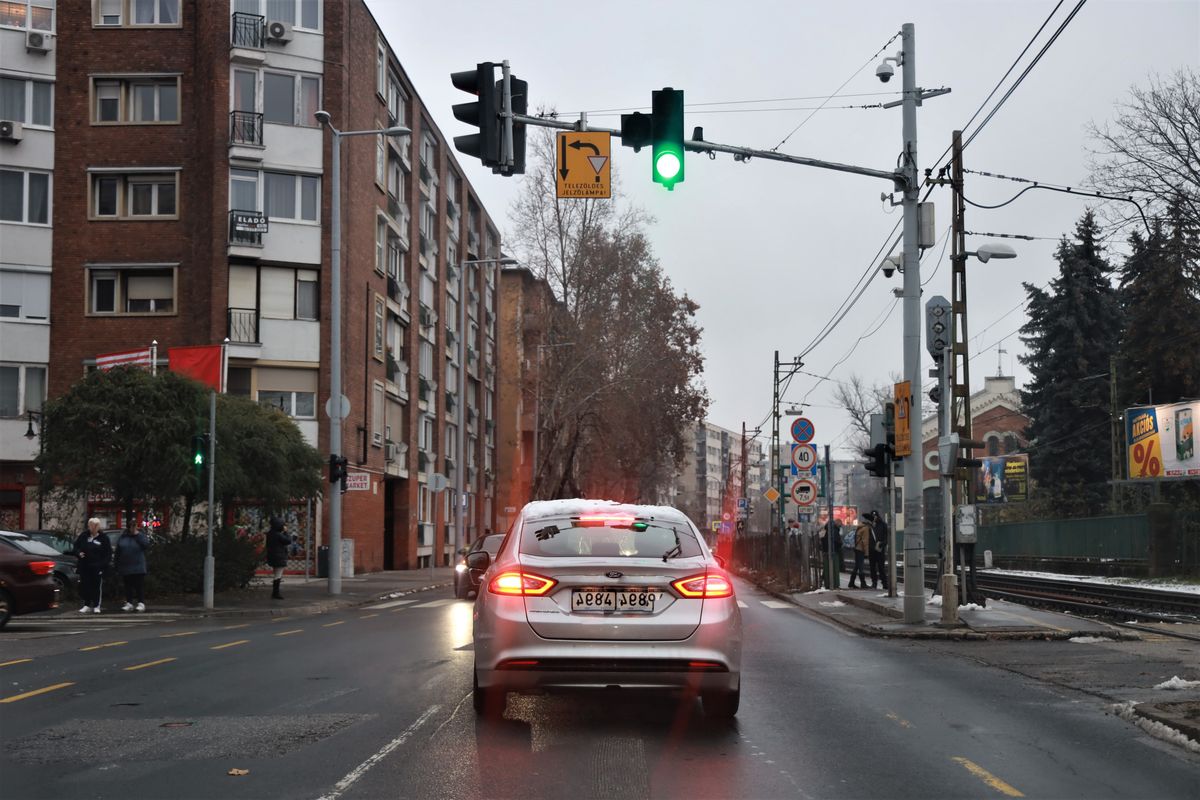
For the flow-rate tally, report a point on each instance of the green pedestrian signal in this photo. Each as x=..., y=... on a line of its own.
x=199, y=453
x=666, y=111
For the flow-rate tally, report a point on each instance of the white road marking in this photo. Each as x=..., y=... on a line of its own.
x=435, y=603
x=775, y=604
x=352, y=777
x=743, y=605
x=391, y=604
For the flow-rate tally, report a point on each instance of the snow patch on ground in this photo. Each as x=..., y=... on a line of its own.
x=817, y=591
x=1165, y=586
x=935, y=601
x=832, y=603
x=1156, y=729
x=1177, y=682
x=1088, y=639
x=970, y=607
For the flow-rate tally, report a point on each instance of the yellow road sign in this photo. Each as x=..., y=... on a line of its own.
x=903, y=399
x=584, y=164
x=771, y=494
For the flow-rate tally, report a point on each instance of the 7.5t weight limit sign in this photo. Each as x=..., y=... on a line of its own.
x=804, y=492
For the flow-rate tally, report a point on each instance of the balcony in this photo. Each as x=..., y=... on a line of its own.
x=248, y=38
x=397, y=291
x=241, y=325
x=246, y=127
x=246, y=228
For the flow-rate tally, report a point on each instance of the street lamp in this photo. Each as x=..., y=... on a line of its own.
x=30, y=433
x=460, y=467
x=338, y=406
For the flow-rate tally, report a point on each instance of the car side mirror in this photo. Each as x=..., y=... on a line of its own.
x=479, y=560
x=720, y=560
x=462, y=551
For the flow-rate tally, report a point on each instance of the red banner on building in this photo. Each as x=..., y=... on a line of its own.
x=134, y=358
x=202, y=363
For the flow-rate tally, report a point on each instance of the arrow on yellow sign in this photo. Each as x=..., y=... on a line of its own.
x=584, y=165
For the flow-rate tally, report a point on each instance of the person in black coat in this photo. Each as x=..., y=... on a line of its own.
x=93, y=553
x=130, y=560
x=278, y=541
x=879, y=546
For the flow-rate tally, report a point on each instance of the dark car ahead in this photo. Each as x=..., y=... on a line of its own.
x=466, y=580
x=61, y=542
x=65, y=572
x=26, y=583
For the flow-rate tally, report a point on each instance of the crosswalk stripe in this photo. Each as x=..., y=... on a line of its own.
x=390, y=604
x=743, y=605
x=434, y=603
x=775, y=604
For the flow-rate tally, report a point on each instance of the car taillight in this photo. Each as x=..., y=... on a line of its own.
x=41, y=567
x=520, y=583
x=706, y=586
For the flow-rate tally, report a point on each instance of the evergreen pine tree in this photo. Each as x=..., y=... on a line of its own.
x=1159, y=356
x=1073, y=331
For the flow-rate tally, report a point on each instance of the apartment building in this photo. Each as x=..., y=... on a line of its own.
x=710, y=480
x=192, y=206
x=27, y=147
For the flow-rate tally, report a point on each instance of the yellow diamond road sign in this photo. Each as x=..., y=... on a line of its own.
x=771, y=494
x=584, y=167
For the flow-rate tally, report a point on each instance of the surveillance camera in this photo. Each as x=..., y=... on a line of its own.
x=888, y=269
x=885, y=71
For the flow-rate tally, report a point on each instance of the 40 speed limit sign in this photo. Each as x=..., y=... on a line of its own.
x=804, y=457
x=804, y=492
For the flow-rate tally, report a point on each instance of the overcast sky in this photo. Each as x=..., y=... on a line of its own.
x=770, y=250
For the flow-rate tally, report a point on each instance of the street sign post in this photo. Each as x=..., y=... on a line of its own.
x=804, y=492
x=584, y=166
x=803, y=430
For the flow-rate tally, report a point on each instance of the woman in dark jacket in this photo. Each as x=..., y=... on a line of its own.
x=131, y=566
x=278, y=542
x=94, y=554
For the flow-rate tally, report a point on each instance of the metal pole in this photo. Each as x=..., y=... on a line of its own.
x=537, y=422
x=335, y=363
x=308, y=538
x=776, y=471
x=460, y=466
x=833, y=565
x=210, y=565
x=914, y=545
x=891, y=510
x=946, y=484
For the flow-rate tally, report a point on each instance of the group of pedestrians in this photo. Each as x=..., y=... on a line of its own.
x=870, y=548
x=98, y=559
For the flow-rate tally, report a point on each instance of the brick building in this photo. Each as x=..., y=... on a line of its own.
x=185, y=127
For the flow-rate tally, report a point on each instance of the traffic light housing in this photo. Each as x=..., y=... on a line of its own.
x=337, y=470
x=482, y=113
x=666, y=111
x=200, y=453
x=877, y=460
x=519, y=92
x=637, y=130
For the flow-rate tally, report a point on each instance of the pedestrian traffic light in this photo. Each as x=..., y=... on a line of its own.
x=666, y=110
x=877, y=460
x=337, y=469
x=482, y=113
x=199, y=453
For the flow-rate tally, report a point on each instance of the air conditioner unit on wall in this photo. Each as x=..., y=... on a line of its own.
x=389, y=451
x=39, y=42
x=11, y=131
x=279, y=31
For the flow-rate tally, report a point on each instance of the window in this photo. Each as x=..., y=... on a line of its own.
x=115, y=13
x=381, y=59
x=291, y=197
x=119, y=196
x=395, y=257
x=425, y=359
x=22, y=388
x=131, y=290
x=395, y=178
x=301, y=405
x=301, y=13
x=243, y=189
x=397, y=101
x=290, y=99
x=24, y=197
x=377, y=407
x=381, y=233
x=380, y=318
x=28, y=102
x=307, y=294
x=381, y=159
x=24, y=295
x=135, y=100
x=34, y=14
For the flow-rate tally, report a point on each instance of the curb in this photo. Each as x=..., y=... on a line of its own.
x=319, y=607
x=1156, y=713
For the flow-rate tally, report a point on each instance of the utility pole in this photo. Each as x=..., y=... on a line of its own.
x=832, y=572
x=210, y=564
x=1115, y=436
x=745, y=478
x=946, y=482
x=776, y=472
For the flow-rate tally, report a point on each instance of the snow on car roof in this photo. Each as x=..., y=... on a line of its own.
x=539, y=509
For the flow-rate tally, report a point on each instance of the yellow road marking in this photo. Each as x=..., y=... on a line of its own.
x=102, y=646
x=235, y=627
x=398, y=610
x=18, y=661
x=173, y=635
x=903, y=723
x=151, y=664
x=326, y=625
x=277, y=619
x=289, y=633
x=368, y=616
x=987, y=777
x=229, y=644
x=35, y=692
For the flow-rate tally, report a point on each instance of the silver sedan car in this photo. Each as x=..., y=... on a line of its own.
x=595, y=594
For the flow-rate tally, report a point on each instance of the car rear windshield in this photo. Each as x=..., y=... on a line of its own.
x=607, y=537
x=32, y=546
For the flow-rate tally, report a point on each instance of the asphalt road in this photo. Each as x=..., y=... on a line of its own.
x=375, y=703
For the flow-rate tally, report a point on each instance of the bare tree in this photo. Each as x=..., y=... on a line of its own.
x=861, y=401
x=1151, y=150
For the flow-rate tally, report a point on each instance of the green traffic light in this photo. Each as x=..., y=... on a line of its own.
x=199, y=460
x=667, y=165
x=667, y=130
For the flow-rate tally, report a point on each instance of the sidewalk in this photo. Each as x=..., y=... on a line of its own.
x=301, y=596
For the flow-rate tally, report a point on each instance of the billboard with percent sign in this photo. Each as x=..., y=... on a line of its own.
x=1161, y=441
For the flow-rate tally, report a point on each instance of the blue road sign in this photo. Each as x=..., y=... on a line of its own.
x=743, y=502
x=803, y=430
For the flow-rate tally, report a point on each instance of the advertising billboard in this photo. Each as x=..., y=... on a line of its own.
x=1160, y=441
x=842, y=515
x=1003, y=479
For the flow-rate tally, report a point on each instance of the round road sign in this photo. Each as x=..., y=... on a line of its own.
x=804, y=457
x=803, y=430
x=804, y=492
x=726, y=516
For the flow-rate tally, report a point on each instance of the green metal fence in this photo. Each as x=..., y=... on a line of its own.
x=1118, y=537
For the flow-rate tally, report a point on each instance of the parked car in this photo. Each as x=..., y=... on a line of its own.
x=65, y=572
x=591, y=594
x=466, y=580
x=62, y=542
x=26, y=583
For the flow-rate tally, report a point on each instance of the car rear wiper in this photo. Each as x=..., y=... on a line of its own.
x=548, y=532
x=676, y=550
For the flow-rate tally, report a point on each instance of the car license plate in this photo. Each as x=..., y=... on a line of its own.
x=623, y=600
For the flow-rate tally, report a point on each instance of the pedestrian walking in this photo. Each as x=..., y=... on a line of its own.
x=862, y=544
x=879, y=547
x=278, y=541
x=130, y=561
x=93, y=554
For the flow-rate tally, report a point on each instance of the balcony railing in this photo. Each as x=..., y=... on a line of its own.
x=246, y=227
x=249, y=30
x=241, y=325
x=396, y=290
x=245, y=127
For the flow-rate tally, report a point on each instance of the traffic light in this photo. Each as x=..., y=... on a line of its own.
x=877, y=460
x=199, y=453
x=637, y=130
x=337, y=470
x=666, y=110
x=519, y=92
x=937, y=326
x=482, y=113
